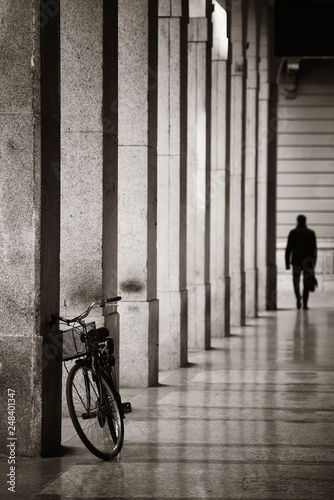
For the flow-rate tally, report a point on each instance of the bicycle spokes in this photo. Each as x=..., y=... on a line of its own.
x=95, y=412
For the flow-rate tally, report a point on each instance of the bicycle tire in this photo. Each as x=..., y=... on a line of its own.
x=98, y=424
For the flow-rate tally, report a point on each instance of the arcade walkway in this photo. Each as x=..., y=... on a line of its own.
x=251, y=418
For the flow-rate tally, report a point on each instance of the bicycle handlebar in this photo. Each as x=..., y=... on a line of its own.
x=98, y=303
x=112, y=299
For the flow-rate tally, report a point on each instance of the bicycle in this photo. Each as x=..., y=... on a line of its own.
x=92, y=394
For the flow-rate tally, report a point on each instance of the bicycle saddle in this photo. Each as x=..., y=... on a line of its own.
x=99, y=333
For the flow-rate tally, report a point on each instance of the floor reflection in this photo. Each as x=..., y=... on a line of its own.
x=250, y=418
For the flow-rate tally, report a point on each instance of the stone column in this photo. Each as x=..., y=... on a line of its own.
x=251, y=167
x=262, y=141
x=208, y=182
x=274, y=68
x=271, y=201
x=183, y=180
x=196, y=173
x=30, y=138
x=236, y=169
x=89, y=159
x=81, y=156
x=110, y=167
x=137, y=192
x=171, y=93
x=218, y=173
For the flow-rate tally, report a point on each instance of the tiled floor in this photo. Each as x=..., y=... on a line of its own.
x=250, y=419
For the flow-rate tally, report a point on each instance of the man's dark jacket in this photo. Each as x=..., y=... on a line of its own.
x=302, y=244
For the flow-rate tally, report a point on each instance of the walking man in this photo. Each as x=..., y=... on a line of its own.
x=301, y=252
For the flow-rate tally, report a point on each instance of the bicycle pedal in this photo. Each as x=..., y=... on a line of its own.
x=127, y=408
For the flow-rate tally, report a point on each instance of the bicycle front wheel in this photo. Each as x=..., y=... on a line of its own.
x=95, y=412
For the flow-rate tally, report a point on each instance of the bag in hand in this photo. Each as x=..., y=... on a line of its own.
x=312, y=282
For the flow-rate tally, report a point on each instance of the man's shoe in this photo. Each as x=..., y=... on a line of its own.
x=305, y=307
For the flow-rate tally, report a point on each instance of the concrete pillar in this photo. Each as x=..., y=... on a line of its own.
x=30, y=137
x=264, y=134
x=81, y=155
x=110, y=168
x=89, y=160
x=237, y=174
x=251, y=167
x=208, y=182
x=196, y=174
x=271, y=201
x=137, y=192
x=218, y=174
x=183, y=181
x=274, y=68
x=171, y=93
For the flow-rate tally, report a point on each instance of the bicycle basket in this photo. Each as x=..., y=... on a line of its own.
x=73, y=347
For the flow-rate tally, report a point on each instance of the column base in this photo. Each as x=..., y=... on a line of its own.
x=218, y=309
x=271, y=288
x=139, y=344
x=238, y=299
x=262, y=288
x=250, y=293
x=184, y=327
x=196, y=316
x=169, y=330
x=21, y=390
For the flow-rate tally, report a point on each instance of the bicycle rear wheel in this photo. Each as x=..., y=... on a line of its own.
x=97, y=418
